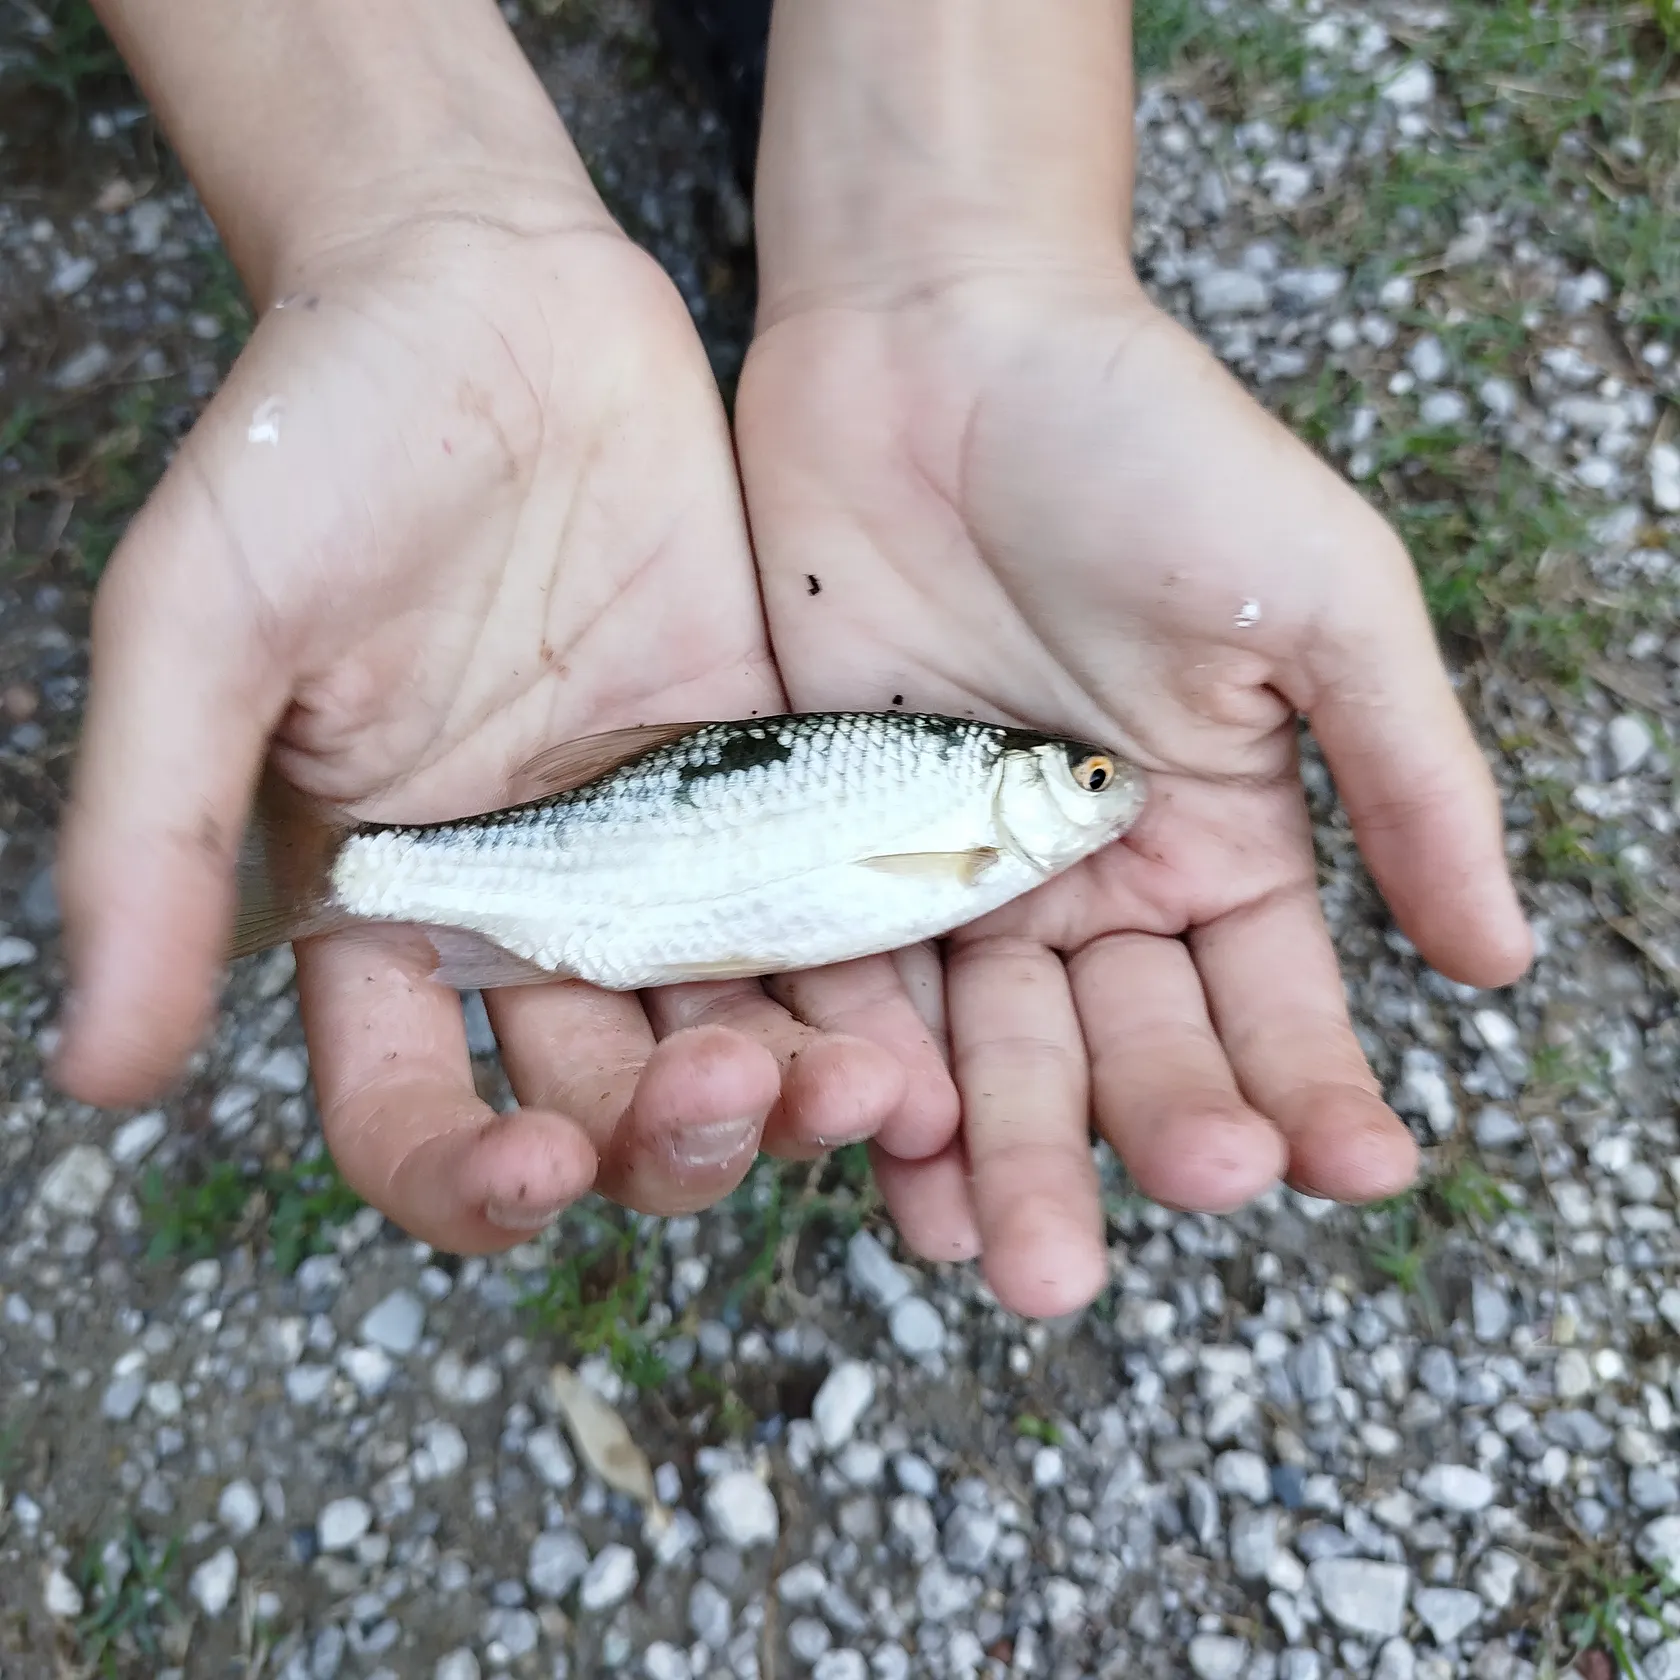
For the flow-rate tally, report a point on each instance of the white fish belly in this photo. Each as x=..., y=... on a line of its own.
x=631, y=904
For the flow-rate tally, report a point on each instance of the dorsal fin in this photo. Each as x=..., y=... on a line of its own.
x=574, y=764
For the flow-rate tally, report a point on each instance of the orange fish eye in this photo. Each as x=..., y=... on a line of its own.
x=1094, y=772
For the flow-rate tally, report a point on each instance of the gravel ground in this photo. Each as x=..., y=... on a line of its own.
x=1439, y=1437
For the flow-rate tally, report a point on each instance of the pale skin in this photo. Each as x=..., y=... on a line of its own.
x=502, y=511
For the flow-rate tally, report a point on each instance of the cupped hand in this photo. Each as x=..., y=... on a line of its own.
x=1031, y=496
x=468, y=492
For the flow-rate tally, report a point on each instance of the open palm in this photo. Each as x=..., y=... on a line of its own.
x=467, y=493
x=1035, y=498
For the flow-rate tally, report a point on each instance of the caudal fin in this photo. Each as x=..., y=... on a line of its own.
x=285, y=870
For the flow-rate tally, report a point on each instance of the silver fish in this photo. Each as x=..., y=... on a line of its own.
x=681, y=852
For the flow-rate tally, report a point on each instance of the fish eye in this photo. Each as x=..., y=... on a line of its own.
x=1094, y=772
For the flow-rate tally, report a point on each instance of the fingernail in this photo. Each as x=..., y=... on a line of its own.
x=519, y=1216
x=714, y=1145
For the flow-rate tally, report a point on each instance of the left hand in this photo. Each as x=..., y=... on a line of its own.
x=1029, y=495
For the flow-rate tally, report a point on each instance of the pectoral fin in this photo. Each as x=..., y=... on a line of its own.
x=966, y=867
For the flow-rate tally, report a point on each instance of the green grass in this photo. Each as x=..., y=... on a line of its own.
x=1408, y=1231
x=594, y=1297
x=63, y=50
x=129, y=1612
x=298, y=1208
x=1606, y=1600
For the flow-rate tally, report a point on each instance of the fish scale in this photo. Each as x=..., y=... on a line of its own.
x=753, y=847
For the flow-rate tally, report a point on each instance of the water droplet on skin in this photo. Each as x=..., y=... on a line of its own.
x=1248, y=615
x=265, y=422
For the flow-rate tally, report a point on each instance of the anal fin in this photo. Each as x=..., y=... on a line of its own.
x=471, y=961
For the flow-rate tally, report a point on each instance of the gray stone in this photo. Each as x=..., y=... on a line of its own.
x=1243, y=1475
x=1446, y=1611
x=709, y=1615
x=874, y=1274
x=1362, y=1596
x=970, y=1536
x=1490, y=1310
x=342, y=1523
x=1314, y=1369
x=609, y=1579
x=916, y=1328
x=1659, y=1544
x=1224, y=292
x=457, y=1665
x=846, y=1394
x=77, y=1183
x=1217, y=1656
x=1253, y=1542
x=1456, y=1487
x=741, y=1510
x=213, y=1582
x=239, y=1510
x=556, y=1563
x=550, y=1457
x=396, y=1323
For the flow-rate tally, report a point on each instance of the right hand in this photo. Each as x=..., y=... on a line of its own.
x=468, y=492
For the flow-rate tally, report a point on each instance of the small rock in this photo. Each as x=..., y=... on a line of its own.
x=1456, y=1487
x=342, y=1523
x=550, y=1457
x=457, y=1665
x=873, y=1273
x=1498, y=1128
x=1253, y=1542
x=1223, y=292
x=1410, y=87
x=87, y=365
x=137, y=1138
x=212, y=1583
x=556, y=1563
x=15, y=952
x=846, y=1394
x=1443, y=408
x=71, y=276
x=1659, y=1544
x=1428, y=360
x=1314, y=1369
x=742, y=1510
x=1664, y=464
x=1496, y=1578
x=62, y=1597
x=77, y=1183
x=1630, y=741
x=1572, y=1377
x=916, y=1328
x=239, y=1510
x=442, y=1452
x=395, y=1323
x=1243, y=1475
x=1490, y=1310
x=609, y=1580
x=1423, y=1090
x=1217, y=1656
x=1446, y=1611
x=1362, y=1596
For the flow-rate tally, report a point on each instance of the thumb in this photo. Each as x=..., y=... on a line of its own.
x=185, y=690
x=1424, y=805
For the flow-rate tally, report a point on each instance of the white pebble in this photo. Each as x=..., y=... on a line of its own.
x=742, y=1510
x=846, y=1394
x=137, y=1138
x=342, y=1523
x=77, y=1183
x=609, y=1580
x=212, y=1583
x=239, y=1510
x=1630, y=742
x=396, y=1323
x=62, y=1597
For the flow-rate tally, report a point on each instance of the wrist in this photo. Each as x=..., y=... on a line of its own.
x=904, y=146
x=310, y=124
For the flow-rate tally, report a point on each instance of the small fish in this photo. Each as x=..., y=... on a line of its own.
x=678, y=852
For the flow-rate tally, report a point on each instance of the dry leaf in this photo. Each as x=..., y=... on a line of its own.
x=602, y=1439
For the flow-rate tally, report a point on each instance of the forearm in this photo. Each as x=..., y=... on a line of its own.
x=312, y=114
x=899, y=137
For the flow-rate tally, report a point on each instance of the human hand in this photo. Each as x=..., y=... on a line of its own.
x=467, y=492
x=1020, y=491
